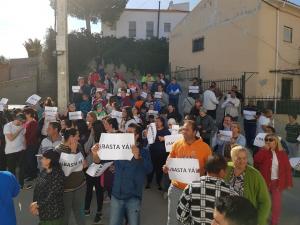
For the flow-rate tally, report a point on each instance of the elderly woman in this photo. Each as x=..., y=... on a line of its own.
x=248, y=182
x=273, y=163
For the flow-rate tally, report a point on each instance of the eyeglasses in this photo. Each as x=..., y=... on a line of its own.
x=269, y=139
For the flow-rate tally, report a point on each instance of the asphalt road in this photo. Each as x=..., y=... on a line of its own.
x=154, y=210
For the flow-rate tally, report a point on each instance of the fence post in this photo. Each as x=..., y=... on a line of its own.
x=243, y=86
x=199, y=72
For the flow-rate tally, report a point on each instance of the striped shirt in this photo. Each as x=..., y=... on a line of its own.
x=197, y=202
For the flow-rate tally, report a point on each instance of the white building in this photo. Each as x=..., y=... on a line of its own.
x=142, y=23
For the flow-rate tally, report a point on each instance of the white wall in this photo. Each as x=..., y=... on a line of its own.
x=141, y=17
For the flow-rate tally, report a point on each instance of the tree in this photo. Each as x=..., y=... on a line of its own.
x=33, y=47
x=3, y=60
x=108, y=11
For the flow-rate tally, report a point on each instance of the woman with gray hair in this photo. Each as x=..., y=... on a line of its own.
x=248, y=182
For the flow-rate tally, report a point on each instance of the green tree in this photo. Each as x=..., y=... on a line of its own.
x=33, y=47
x=3, y=60
x=108, y=11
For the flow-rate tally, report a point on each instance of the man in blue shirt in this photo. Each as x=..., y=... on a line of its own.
x=128, y=181
x=9, y=188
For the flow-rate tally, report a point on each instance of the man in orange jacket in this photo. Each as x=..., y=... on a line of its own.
x=189, y=147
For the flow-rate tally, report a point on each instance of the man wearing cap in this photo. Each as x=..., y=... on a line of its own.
x=15, y=145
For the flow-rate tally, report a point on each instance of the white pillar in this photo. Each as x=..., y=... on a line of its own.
x=62, y=54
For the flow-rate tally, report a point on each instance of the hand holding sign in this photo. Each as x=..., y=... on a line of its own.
x=75, y=115
x=260, y=140
x=75, y=89
x=96, y=170
x=33, y=99
x=225, y=135
x=184, y=170
x=3, y=101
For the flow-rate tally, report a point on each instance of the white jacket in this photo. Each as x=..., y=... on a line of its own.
x=210, y=101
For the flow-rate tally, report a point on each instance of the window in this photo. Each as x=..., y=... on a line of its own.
x=286, y=88
x=149, y=29
x=132, y=29
x=288, y=34
x=167, y=27
x=198, y=44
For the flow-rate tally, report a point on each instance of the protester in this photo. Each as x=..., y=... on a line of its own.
x=264, y=120
x=250, y=122
x=173, y=113
x=196, y=204
x=127, y=118
x=273, y=164
x=127, y=193
x=48, y=193
x=174, y=91
x=231, y=106
x=74, y=183
x=249, y=183
x=186, y=148
x=3, y=121
x=188, y=104
x=94, y=182
x=158, y=152
x=195, y=109
x=234, y=210
x=15, y=147
x=9, y=189
x=206, y=125
x=210, y=102
x=292, y=133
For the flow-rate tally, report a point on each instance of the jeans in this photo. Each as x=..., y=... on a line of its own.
x=31, y=161
x=276, y=202
x=293, y=149
x=74, y=201
x=90, y=183
x=15, y=160
x=250, y=131
x=174, y=194
x=121, y=208
x=158, y=159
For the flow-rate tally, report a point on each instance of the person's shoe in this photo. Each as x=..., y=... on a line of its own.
x=159, y=188
x=148, y=186
x=98, y=218
x=87, y=212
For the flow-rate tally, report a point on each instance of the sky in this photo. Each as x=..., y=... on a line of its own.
x=24, y=19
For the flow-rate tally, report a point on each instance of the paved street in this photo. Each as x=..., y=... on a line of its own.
x=155, y=208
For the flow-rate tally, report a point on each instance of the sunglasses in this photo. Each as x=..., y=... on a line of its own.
x=269, y=139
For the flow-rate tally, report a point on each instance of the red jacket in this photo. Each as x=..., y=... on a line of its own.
x=31, y=134
x=263, y=162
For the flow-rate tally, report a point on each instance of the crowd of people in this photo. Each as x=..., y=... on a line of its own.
x=240, y=183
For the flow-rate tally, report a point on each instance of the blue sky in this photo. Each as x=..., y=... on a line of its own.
x=23, y=19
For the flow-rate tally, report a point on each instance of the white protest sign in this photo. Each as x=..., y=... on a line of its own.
x=152, y=112
x=158, y=95
x=3, y=101
x=99, y=89
x=194, y=89
x=33, y=99
x=96, y=170
x=184, y=170
x=108, y=96
x=71, y=162
x=151, y=135
x=249, y=115
x=75, y=89
x=260, y=140
x=175, y=129
x=50, y=113
x=170, y=140
x=298, y=139
x=116, y=146
x=116, y=114
x=1, y=108
x=295, y=163
x=75, y=115
x=225, y=135
x=144, y=95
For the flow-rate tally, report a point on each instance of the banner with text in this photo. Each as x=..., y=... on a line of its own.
x=71, y=163
x=96, y=170
x=170, y=140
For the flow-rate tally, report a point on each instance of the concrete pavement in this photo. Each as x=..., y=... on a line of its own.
x=154, y=209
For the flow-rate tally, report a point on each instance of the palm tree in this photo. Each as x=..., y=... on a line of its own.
x=33, y=47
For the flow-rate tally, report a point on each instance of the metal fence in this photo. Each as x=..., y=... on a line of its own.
x=226, y=84
x=284, y=106
x=186, y=74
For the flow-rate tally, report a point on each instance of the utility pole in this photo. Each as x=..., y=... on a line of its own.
x=62, y=54
x=158, y=19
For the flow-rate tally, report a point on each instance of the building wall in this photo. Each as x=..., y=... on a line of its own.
x=228, y=49
x=289, y=53
x=240, y=36
x=141, y=17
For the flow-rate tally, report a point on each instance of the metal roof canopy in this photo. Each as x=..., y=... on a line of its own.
x=293, y=72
